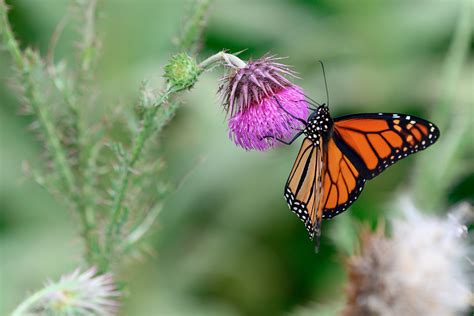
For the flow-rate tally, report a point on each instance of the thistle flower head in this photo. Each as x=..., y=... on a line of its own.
x=423, y=269
x=182, y=71
x=262, y=103
x=75, y=294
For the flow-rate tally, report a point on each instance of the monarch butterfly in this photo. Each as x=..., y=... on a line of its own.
x=339, y=155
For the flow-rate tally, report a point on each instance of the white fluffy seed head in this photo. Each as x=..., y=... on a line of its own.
x=423, y=269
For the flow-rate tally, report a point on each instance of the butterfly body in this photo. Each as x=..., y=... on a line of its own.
x=319, y=125
x=339, y=155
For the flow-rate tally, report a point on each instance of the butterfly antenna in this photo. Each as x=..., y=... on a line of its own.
x=325, y=82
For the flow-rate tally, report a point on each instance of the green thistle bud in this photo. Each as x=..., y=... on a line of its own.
x=182, y=71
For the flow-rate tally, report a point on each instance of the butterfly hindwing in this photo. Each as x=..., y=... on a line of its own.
x=303, y=187
x=342, y=182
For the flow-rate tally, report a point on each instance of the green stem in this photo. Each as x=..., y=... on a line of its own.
x=8, y=39
x=230, y=59
x=187, y=42
x=125, y=171
x=138, y=232
x=44, y=118
x=87, y=147
x=29, y=303
x=88, y=49
x=149, y=125
x=49, y=131
x=46, y=123
x=191, y=32
x=88, y=194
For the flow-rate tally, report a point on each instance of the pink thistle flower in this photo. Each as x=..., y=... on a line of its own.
x=262, y=103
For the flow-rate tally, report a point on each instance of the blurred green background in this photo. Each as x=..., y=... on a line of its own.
x=226, y=243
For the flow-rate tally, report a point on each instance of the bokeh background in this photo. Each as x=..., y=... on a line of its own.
x=226, y=243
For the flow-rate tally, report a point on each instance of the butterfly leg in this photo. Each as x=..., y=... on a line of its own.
x=284, y=110
x=311, y=103
x=285, y=142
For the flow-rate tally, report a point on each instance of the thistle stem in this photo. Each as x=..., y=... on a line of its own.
x=125, y=170
x=88, y=46
x=148, y=126
x=189, y=40
x=26, y=305
x=47, y=125
x=77, y=181
x=8, y=38
x=230, y=59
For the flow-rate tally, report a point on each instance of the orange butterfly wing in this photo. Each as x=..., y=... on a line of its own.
x=303, y=187
x=362, y=146
x=327, y=179
x=376, y=141
x=321, y=184
x=342, y=182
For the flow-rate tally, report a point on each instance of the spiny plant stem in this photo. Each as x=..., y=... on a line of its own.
x=188, y=41
x=49, y=130
x=47, y=126
x=23, y=67
x=149, y=125
x=125, y=170
x=27, y=304
x=88, y=46
x=232, y=60
x=78, y=179
x=87, y=149
x=191, y=32
x=8, y=39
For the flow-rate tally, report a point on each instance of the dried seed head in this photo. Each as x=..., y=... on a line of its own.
x=421, y=270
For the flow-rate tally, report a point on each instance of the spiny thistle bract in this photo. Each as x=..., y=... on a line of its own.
x=262, y=103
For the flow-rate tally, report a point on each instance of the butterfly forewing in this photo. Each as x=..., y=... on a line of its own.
x=376, y=141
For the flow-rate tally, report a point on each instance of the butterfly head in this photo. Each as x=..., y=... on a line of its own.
x=319, y=124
